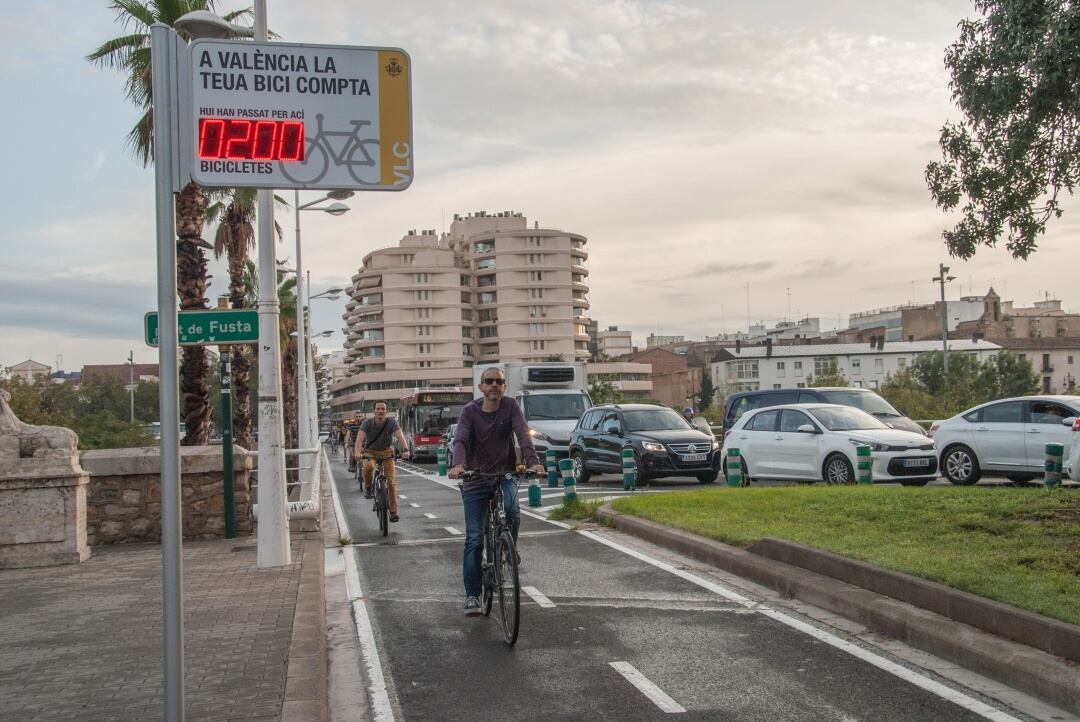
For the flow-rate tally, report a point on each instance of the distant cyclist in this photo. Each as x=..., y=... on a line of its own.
x=350, y=439
x=374, y=440
x=484, y=442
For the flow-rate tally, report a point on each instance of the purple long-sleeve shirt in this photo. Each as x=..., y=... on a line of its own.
x=484, y=439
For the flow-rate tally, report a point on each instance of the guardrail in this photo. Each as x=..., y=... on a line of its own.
x=308, y=489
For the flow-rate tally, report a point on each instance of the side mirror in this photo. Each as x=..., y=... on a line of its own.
x=702, y=424
x=1069, y=421
x=612, y=429
x=806, y=429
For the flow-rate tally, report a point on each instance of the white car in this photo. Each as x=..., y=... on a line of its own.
x=817, y=442
x=1007, y=437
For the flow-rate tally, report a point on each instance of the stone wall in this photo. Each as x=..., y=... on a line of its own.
x=124, y=496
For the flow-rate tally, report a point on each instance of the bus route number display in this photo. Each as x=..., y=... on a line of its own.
x=289, y=115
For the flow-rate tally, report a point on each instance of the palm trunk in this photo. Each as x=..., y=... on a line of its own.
x=191, y=287
x=288, y=392
x=242, y=355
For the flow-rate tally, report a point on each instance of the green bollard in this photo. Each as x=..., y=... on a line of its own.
x=534, y=492
x=442, y=461
x=552, y=469
x=629, y=470
x=734, y=467
x=1052, y=477
x=566, y=468
x=866, y=464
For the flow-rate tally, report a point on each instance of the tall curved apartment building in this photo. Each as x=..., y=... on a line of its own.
x=424, y=312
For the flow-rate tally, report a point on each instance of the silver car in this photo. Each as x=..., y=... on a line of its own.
x=1006, y=437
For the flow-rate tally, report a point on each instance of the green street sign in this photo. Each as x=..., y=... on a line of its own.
x=209, y=328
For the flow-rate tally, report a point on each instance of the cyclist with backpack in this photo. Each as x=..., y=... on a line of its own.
x=484, y=442
x=374, y=441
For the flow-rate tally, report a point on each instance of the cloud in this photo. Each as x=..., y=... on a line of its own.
x=71, y=304
x=95, y=168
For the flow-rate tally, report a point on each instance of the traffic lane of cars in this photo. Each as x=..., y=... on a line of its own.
x=712, y=657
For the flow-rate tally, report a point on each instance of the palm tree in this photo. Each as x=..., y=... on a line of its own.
x=130, y=53
x=235, y=236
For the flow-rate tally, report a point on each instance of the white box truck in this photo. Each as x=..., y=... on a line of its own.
x=551, y=394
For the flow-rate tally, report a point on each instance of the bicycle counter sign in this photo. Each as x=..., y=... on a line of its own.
x=285, y=115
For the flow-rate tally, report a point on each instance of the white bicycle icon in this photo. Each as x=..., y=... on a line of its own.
x=318, y=151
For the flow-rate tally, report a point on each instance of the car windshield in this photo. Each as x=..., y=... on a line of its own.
x=869, y=402
x=541, y=407
x=845, y=418
x=658, y=419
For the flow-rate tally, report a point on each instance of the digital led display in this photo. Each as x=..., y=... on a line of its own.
x=239, y=139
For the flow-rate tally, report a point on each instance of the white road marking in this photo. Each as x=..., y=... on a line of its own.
x=656, y=695
x=402, y=497
x=429, y=515
x=452, y=530
x=538, y=597
x=908, y=675
x=381, y=709
x=414, y=505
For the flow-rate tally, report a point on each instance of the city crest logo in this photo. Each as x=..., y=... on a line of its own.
x=394, y=68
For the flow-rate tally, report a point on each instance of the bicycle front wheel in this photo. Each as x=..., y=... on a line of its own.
x=487, y=573
x=509, y=587
x=383, y=509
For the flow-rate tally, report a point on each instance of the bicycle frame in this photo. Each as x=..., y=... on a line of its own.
x=380, y=488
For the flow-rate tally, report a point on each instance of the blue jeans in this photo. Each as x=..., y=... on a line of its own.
x=475, y=502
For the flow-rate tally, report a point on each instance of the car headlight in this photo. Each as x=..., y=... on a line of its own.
x=874, y=446
x=715, y=445
x=652, y=446
x=538, y=435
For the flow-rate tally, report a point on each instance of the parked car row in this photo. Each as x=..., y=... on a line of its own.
x=810, y=435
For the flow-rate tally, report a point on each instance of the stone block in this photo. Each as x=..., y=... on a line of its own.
x=131, y=497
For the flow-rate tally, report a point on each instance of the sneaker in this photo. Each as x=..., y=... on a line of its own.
x=393, y=518
x=472, y=606
x=368, y=494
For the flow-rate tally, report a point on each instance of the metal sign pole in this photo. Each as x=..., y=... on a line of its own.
x=227, y=443
x=273, y=547
x=164, y=111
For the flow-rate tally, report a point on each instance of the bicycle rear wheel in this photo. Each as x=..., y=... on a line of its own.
x=509, y=586
x=382, y=508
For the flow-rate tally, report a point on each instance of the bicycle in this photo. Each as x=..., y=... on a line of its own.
x=499, y=557
x=319, y=152
x=380, y=489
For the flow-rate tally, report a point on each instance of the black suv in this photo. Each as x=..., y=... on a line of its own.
x=664, y=443
x=739, y=403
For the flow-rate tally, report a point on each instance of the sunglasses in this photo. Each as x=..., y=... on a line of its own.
x=493, y=382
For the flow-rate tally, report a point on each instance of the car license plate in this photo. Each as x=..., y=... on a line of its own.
x=692, y=457
x=910, y=463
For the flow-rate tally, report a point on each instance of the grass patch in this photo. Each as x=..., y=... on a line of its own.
x=1017, y=546
x=578, y=509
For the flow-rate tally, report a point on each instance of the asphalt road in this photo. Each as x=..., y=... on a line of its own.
x=606, y=634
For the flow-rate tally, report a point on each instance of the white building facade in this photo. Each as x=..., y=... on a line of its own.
x=864, y=366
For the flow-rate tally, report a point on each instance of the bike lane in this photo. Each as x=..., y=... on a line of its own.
x=605, y=635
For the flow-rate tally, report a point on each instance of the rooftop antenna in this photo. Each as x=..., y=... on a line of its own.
x=748, y=307
x=788, y=303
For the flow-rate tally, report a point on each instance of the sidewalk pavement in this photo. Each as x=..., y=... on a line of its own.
x=84, y=641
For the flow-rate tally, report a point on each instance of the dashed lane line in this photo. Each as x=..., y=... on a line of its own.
x=539, y=598
x=656, y=695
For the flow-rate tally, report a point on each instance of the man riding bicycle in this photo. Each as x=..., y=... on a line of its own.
x=374, y=440
x=483, y=442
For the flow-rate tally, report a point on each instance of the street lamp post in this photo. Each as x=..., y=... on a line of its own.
x=303, y=427
x=942, y=279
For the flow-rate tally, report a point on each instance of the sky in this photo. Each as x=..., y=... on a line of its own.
x=729, y=161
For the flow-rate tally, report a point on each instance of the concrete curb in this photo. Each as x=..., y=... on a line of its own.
x=347, y=679
x=1038, y=673
x=1055, y=637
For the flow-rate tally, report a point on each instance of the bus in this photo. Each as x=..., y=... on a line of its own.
x=425, y=414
